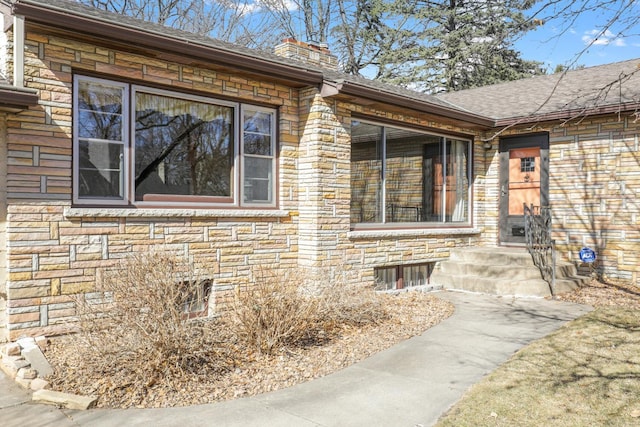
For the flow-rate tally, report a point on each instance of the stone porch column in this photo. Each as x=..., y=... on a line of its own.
x=324, y=181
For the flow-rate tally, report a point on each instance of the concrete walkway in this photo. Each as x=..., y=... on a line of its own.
x=410, y=384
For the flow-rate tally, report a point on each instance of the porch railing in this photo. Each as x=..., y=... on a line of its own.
x=537, y=231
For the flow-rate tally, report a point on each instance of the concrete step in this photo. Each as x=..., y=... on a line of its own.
x=501, y=271
x=570, y=283
x=488, y=269
x=498, y=256
x=492, y=285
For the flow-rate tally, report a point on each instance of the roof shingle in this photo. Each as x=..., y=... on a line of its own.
x=582, y=91
x=578, y=91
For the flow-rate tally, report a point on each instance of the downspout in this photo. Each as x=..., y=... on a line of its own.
x=18, y=51
x=4, y=317
x=18, y=82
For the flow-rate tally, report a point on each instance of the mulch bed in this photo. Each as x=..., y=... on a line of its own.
x=409, y=314
x=600, y=294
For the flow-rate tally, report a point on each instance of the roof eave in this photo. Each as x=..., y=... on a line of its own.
x=13, y=99
x=66, y=20
x=354, y=89
x=569, y=114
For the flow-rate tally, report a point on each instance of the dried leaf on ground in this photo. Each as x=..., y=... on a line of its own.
x=250, y=373
x=600, y=294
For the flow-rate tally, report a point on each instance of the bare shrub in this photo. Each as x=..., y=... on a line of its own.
x=137, y=333
x=272, y=312
x=348, y=303
x=285, y=308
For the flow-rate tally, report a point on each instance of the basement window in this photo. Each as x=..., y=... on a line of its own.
x=402, y=276
x=194, y=300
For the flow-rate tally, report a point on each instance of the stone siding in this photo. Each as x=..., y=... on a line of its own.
x=595, y=193
x=55, y=252
x=594, y=190
x=3, y=234
x=363, y=251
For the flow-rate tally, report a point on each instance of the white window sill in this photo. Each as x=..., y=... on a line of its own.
x=172, y=213
x=422, y=232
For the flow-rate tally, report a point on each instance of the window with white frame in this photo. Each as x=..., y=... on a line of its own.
x=406, y=176
x=135, y=145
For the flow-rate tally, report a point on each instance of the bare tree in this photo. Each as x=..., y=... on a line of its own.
x=623, y=21
x=243, y=23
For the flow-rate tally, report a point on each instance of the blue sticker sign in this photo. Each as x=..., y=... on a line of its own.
x=587, y=255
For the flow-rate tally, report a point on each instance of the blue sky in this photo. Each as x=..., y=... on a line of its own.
x=556, y=42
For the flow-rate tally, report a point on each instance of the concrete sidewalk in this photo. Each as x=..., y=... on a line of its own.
x=410, y=384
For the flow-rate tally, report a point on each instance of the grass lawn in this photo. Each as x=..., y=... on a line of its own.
x=585, y=374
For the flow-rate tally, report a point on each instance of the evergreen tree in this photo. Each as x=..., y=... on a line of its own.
x=369, y=30
x=426, y=45
x=463, y=44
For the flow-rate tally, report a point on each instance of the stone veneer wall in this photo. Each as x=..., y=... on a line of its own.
x=324, y=180
x=3, y=225
x=56, y=251
x=362, y=251
x=487, y=191
x=594, y=191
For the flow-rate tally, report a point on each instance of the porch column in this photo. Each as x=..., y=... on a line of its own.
x=324, y=177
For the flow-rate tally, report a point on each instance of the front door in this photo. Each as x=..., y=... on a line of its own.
x=524, y=178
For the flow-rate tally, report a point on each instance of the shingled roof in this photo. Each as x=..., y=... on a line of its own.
x=608, y=88
x=594, y=90
x=75, y=17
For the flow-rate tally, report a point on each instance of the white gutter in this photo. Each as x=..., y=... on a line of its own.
x=18, y=51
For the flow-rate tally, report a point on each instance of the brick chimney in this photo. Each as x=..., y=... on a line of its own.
x=312, y=53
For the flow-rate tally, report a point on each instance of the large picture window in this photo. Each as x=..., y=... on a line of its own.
x=136, y=145
x=405, y=176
